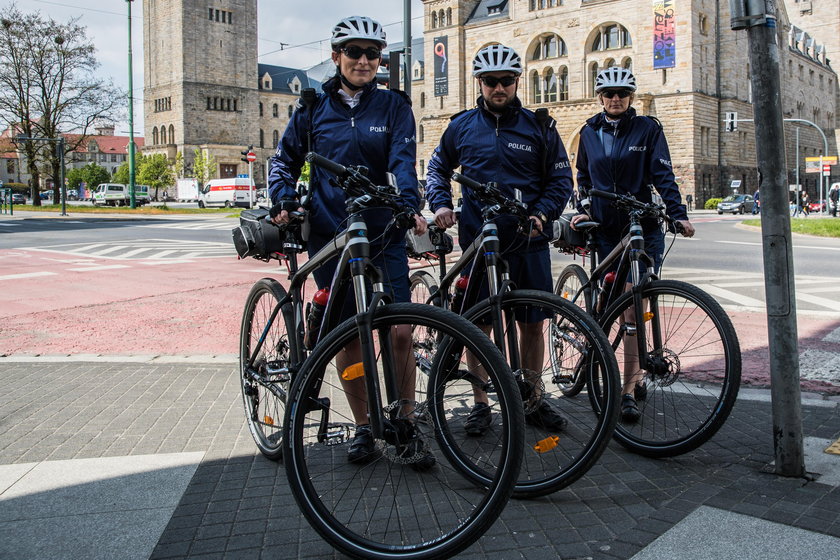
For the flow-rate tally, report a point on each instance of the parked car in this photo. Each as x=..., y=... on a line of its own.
x=816, y=206
x=736, y=203
x=46, y=195
x=18, y=198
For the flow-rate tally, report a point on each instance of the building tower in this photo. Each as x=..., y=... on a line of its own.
x=200, y=63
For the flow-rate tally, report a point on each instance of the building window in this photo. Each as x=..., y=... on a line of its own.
x=705, y=148
x=171, y=133
x=563, y=83
x=550, y=86
x=536, y=90
x=420, y=133
x=211, y=14
x=611, y=37
x=275, y=138
x=549, y=46
x=275, y=111
x=593, y=73
x=422, y=99
x=703, y=23
x=209, y=104
x=261, y=109
x=113, y=158
x=163, y=135
x=291, y=110
x=262, y=138
x=155, y=136
x=10, y=166
x=434, y=20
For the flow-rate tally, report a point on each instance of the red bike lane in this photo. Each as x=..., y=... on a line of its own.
x=57, y=304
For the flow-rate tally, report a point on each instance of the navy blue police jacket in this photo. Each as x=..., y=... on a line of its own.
x=377, y=133
x=640, y=157
x=508, y=149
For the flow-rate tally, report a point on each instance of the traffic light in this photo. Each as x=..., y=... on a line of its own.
x=245, y=153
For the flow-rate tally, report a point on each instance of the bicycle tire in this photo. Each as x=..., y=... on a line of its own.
x=572, y=340
x=692, y=394
x=422, y=286
x=384, y=509
x=569, y=283
x=264, y=393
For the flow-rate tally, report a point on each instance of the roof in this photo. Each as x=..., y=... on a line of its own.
x=489, y=9
x=105, y=144
x=282, y=76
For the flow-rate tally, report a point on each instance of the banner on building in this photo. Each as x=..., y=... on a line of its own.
x=664, y=34
x=441, y=51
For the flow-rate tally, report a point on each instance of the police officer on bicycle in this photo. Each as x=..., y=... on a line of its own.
x=624, y=153
x=501, y=141
x=353, y=122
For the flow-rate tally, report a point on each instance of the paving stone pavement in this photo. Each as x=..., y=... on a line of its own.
x=237, y=504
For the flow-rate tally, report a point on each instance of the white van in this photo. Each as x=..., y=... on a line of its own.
x=227, y=193
x=110, y=194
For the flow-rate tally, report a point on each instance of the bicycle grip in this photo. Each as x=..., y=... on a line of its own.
x=603, y=194
x=328, y=164
x=467, y=182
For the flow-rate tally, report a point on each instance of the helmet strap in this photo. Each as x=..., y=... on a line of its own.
x=348, y=83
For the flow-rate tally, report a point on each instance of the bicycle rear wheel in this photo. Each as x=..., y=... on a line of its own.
x=562, y=342
x=390, y=506
x=696, y=371
x=264, y=377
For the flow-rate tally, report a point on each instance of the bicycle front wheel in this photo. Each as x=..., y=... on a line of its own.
x=548, y=341
x=265, y=353
x=695, y=367
x=407, y=498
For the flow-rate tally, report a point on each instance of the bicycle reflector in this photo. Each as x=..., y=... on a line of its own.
x=547, y=444
x=353, y=372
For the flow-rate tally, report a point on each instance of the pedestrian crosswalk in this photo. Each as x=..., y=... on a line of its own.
x=145, y=249
x=224, y=225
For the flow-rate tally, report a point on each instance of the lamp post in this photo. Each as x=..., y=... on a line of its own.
x=825, y=153
x=131, y=176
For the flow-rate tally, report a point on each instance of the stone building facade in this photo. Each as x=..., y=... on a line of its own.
x=203, y=87
x=565, y=44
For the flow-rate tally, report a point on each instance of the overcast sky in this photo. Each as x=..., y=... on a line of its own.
x=303, y=25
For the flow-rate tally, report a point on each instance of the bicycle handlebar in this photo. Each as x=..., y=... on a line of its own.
x=328, y=164
x=644, y=208
x=491, y=195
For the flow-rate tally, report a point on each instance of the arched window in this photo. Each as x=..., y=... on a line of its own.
x=442, y=18
x=275, y=138
x=627, y=63
x=536, y=90
x=422, y=99
x=563, y=83
x=262, y=138
x=612, y=36
x=593, y=73
x=155, y=135
x=434, y=20
x=550, y=88
x=291, y=110
x=261, y=109
x=171, y=133
x=609, y=63
x=163, y=134
x=275, y=111
x=421, y=134
x=449, y=16
x=549, y=46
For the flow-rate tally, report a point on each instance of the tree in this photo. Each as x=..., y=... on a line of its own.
x=178, y=166
x=48, y=86
x=204, y=166
x=93, y=175
x=155, y=172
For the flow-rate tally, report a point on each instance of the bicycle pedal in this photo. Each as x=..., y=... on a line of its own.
x=335, y=434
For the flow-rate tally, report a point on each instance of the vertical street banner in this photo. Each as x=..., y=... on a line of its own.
x=441, y=51
x=664, y=34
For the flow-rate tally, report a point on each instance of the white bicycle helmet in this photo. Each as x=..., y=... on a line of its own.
x=497, y=58
x=357, y=27
x=615, y=77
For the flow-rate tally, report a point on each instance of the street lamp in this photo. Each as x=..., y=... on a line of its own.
x=825, y=153
x=131, y=176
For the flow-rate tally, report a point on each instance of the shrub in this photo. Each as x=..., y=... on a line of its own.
x=711, y=204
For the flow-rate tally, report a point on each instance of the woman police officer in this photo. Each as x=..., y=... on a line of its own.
x=624, y=153
x=354, y=123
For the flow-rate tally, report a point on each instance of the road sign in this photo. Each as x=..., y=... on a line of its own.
x=251, y=157
x=812, y=164
x=826, y=170
x=735, y=184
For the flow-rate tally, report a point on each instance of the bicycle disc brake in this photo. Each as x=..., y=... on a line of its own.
x=664, y=367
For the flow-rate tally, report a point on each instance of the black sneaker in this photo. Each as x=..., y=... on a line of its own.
x=547, y=418
x=363, y=447
x=630, y=413
x=478, y=420
x=640, y=391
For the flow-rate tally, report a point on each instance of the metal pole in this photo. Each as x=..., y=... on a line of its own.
x=60, y=147
x=825, y=150
x=251, y=183
x=407, y=45
x=131, y=177
x=776, y=240
x=797, y=188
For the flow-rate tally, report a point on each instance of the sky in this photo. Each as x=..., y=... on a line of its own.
x=291, y=33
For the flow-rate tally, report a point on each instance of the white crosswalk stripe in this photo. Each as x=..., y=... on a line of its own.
x=146, y=249
x=226, y=224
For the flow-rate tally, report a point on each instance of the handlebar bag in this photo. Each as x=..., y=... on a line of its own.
x=255, y=237
x=564, y=236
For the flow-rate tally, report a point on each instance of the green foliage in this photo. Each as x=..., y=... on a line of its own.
x=178, y=166
x=711, y=204
x=121, y=174
x=822, y=227
x=204, y=166
x=305, y=173
x=155, y=172
x=91, y=175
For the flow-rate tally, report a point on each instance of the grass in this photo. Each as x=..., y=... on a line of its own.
x=821, y=227
x=142, y=210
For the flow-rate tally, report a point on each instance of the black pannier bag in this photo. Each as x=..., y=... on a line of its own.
x=565, y=238
x=255, y=237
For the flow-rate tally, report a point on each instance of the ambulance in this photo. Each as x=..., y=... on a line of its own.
x=227, y=193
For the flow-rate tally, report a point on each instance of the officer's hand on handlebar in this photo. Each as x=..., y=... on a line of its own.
x=444, y=217
x=280, y=216
x=420, y=224
x=685, y=228
x=537, y=227
x=578, y=218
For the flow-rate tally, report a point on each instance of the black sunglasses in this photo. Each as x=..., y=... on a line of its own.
x=355, y=52
x=621, y=93
x=492, y=82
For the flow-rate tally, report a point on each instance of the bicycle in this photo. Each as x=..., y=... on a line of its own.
x=571, y=342
x=688, y=351
x=388, y=505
